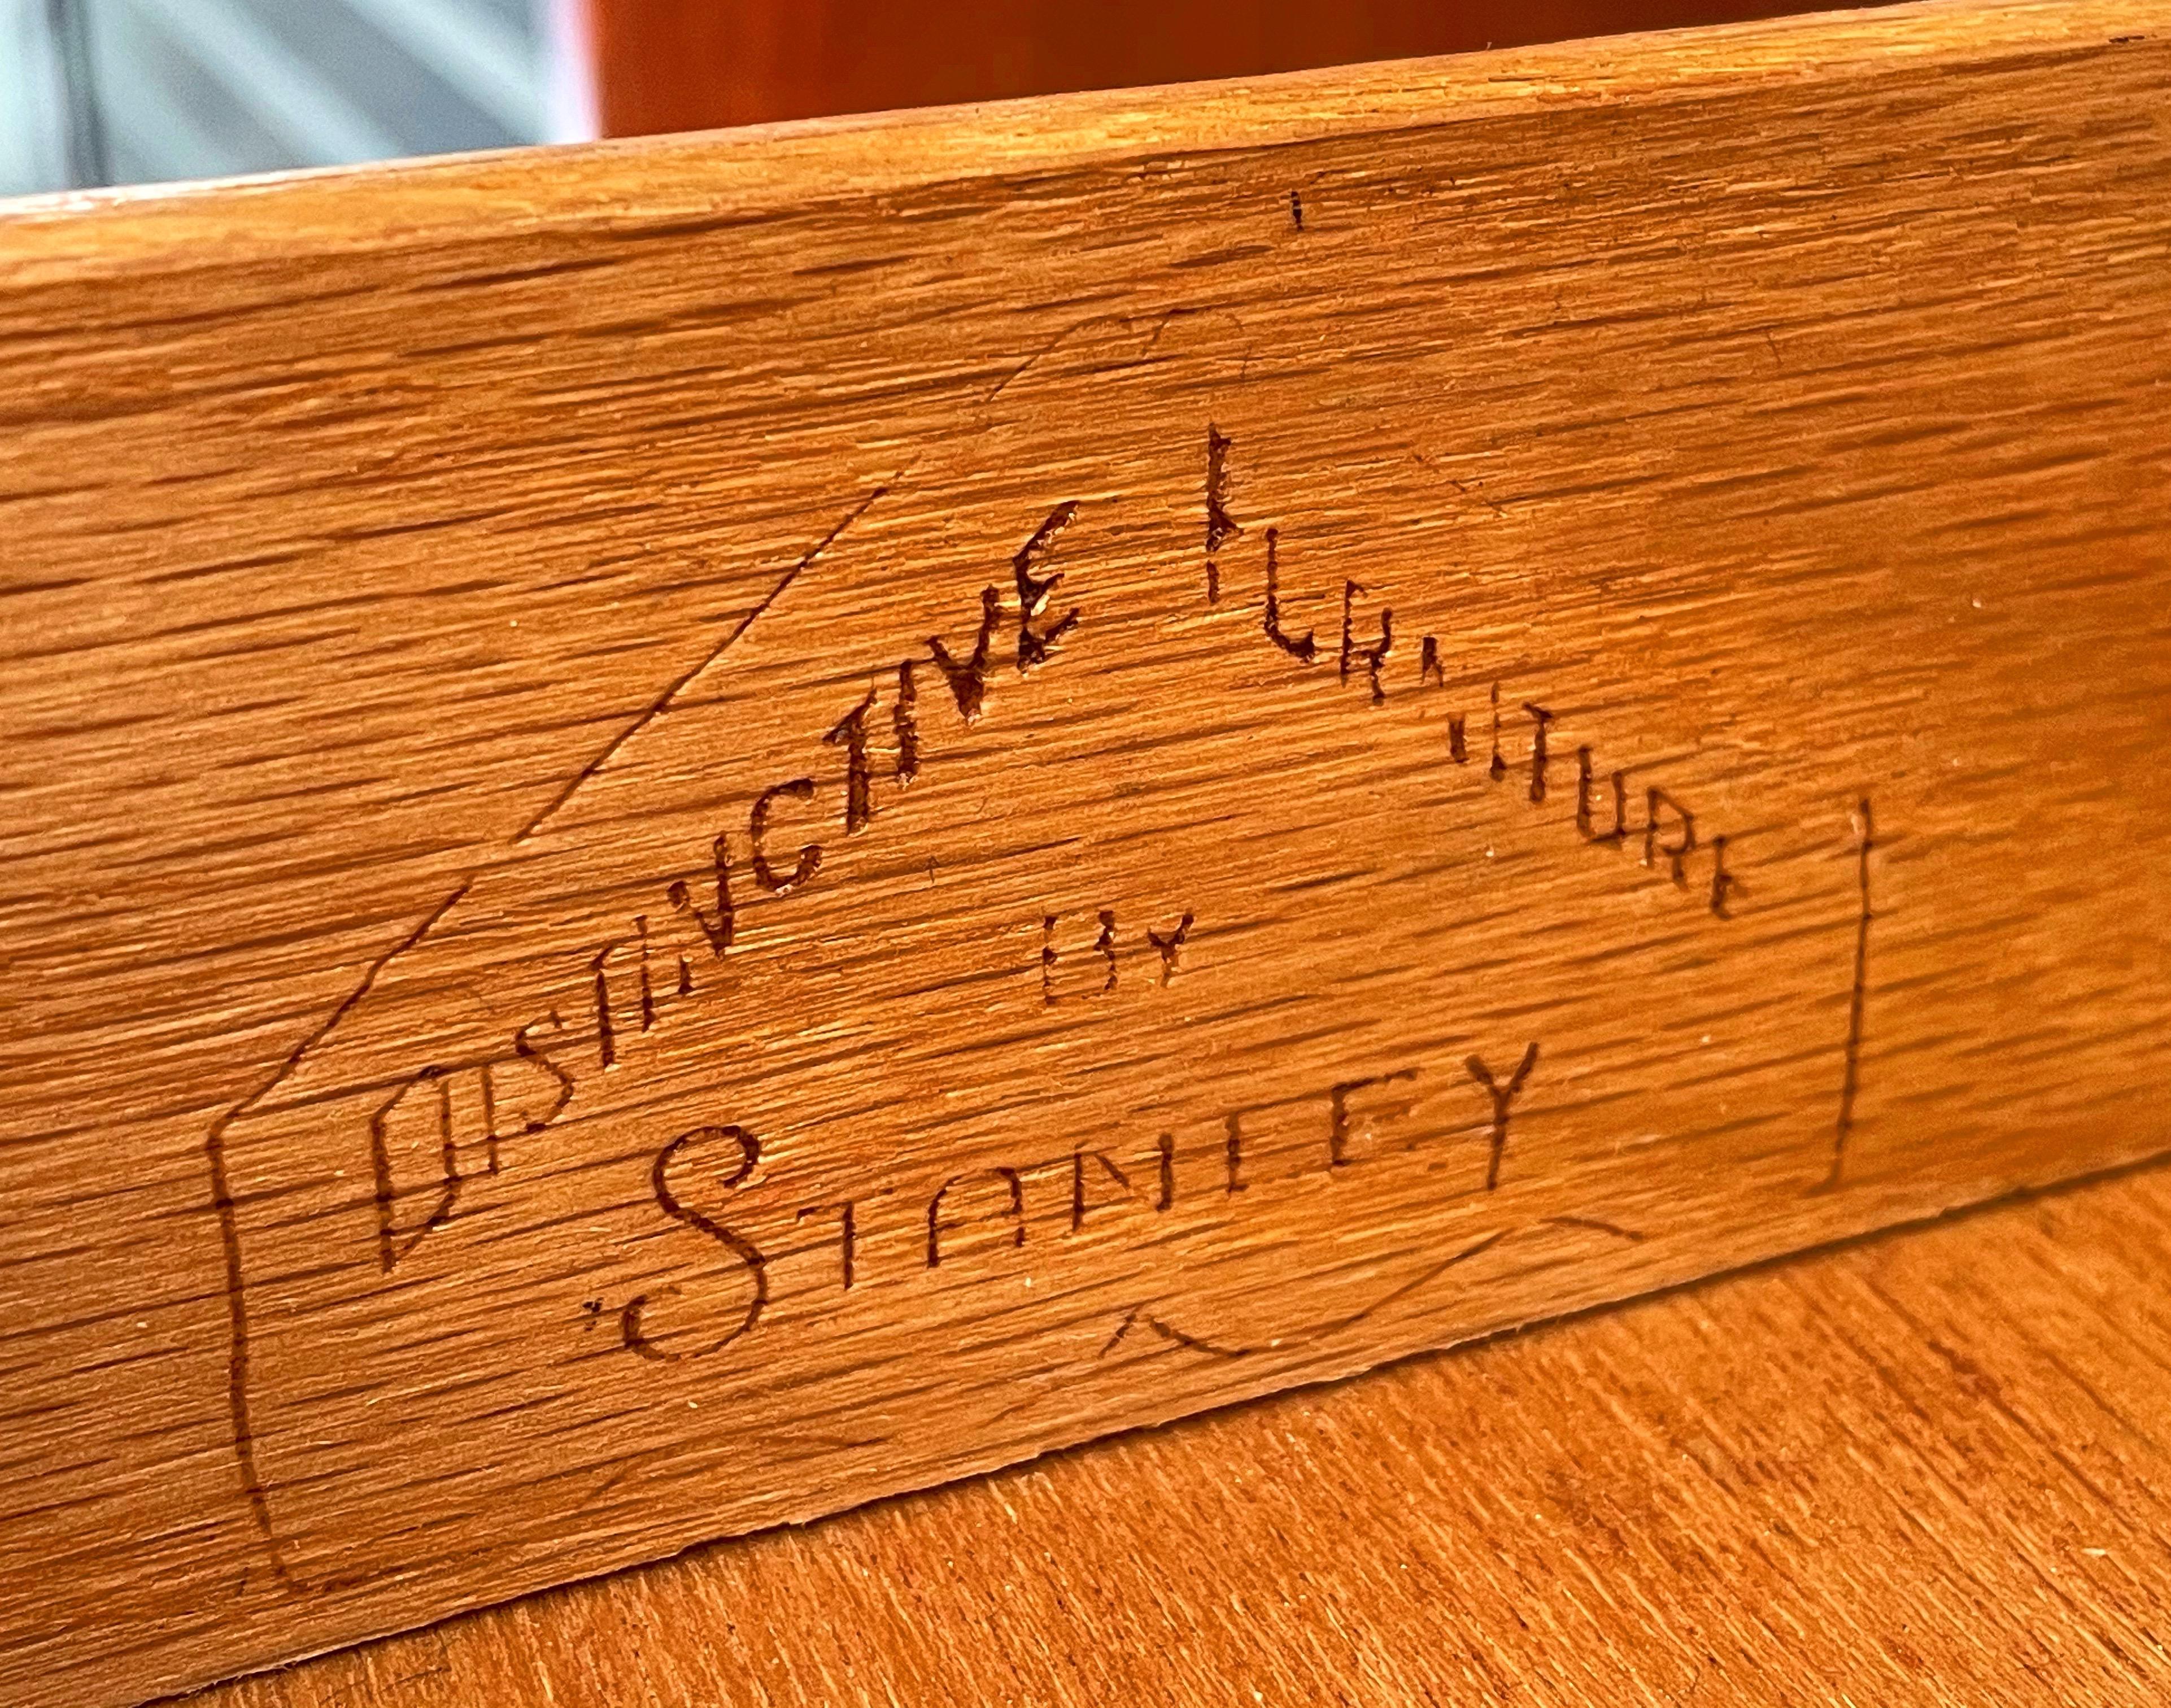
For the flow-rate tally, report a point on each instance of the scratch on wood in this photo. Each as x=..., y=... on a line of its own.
x=661, y=703
x=1592, y=1223
x=1851, y=1080
x=1318, y=1331
x=229, y=1229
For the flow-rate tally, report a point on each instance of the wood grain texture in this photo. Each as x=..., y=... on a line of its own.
x=598, y=961
x=1929, y=1469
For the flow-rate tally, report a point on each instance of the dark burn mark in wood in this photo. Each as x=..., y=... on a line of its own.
x=1302, y=648
x=847, y=1241
x=904, y=723
x=606, y=1031
x=809, y=859
x=1372, y=658
x=1503, y=1099
x=1317, y=1332
x=1011, y=1180
x=968, y=680
x=1611, y=1229
x=1174, y=1336
x=1865, y=842
x=398, y=1236
x=1583, y=817
x=1035, y=646
x=998, y=1195
x=999, y=1199
x=1220, y=529
x=678, y=684
x=1723, y=884
x=1164, y=946
x=742, y=1251
x=1108, y=1165
x=1669, y=827
x=647, y=983
x=850, y=731
x=394, y=1240
x=453, y=1120
x=1657, y=803
x=1168, y=946
x=719, y=929
x=1540, y=720
x=1337, y=1118
x=229, y=1231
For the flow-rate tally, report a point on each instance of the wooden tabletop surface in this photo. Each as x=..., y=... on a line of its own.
x=1929, y=1466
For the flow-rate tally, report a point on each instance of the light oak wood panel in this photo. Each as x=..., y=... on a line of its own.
x=598, y=962
x=1928, y=1469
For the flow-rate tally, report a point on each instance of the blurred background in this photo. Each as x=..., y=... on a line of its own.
x=126, y=91
x=96, y=92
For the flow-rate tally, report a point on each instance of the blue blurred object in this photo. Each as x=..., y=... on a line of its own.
x=132, y=91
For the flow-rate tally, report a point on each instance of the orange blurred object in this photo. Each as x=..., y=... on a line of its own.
x=683, y=64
